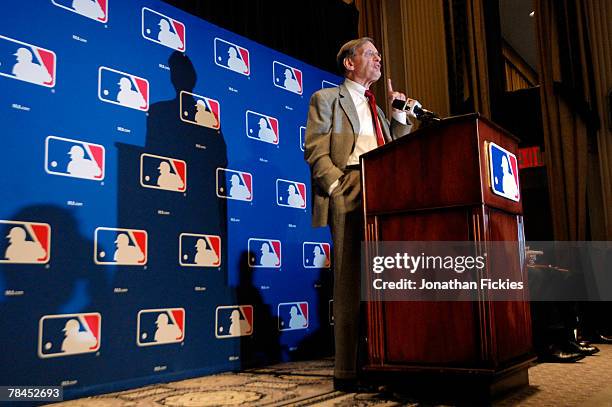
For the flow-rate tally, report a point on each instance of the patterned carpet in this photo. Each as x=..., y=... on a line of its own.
x=586, y=383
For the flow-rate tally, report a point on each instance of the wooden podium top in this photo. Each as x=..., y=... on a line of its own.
x=443, y=165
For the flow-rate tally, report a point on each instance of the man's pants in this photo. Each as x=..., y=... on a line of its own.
x=347, y=233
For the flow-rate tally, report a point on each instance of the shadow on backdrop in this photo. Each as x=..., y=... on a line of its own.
x=180, y=211
x=320, y=342
x=263, y=346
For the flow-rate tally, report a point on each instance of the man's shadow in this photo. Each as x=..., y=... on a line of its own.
x=263, y=346
x=173, y=133
x=320, y=341
x=175, y=220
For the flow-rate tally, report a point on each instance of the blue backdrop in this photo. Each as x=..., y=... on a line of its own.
x=155, y=218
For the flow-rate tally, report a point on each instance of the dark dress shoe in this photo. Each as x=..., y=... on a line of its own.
x=554, y=354
x=585, y=348
x=354, y=386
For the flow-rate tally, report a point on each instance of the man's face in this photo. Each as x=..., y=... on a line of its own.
x=366, y=64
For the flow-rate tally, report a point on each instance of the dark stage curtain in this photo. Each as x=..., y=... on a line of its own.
x=567, y=111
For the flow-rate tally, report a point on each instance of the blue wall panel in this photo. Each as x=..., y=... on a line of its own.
x=147, y=231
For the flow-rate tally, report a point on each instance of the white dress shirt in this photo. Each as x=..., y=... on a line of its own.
x=366, y=139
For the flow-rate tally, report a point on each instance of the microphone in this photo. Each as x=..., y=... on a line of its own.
x=415, y=109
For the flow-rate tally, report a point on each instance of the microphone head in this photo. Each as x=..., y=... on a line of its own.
x=400, y=104
x=414, y=109
x=410, y=106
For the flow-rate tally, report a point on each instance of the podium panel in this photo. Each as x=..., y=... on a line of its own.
x=434, y=185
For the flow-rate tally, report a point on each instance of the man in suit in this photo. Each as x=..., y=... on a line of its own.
x=341, y=126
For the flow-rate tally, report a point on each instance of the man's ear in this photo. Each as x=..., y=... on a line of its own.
x=348, y=64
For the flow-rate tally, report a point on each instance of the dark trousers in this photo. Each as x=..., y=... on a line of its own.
x=347, y=231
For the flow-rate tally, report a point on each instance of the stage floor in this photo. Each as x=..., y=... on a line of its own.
x=309, y=383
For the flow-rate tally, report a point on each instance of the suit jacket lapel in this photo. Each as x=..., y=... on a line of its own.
x=349, y=108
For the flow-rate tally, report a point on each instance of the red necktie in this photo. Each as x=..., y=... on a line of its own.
x=380, y=140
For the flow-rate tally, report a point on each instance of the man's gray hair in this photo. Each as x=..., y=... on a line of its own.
x=349, y=49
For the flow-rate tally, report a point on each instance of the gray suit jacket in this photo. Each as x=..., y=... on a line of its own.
x=331, y=134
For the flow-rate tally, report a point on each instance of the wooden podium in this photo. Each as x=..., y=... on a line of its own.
x=432, y=185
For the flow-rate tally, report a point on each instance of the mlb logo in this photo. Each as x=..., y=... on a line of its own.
x=74, y=158
x=163, y=30
x=326, y=84
x=291, y=194
x=233, y=321
x=160, y=172
x=232, y=184
x=160, y=326
x=24, y=242
x=233, y=57
x=264, y=253
x=261, y=127
x=292, y=316
x=302, y=138
x=503, y=167
x=94, y=9
x=69, y=334
x=26, y=62
x=123, y=89
x=199, y=250
x=316, y=255
x=125, y=246
x=287, y=77
x=200, y=110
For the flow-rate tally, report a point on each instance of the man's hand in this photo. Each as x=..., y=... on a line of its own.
x=392, y=95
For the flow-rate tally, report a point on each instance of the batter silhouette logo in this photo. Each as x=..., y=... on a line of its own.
x=94, y=9
x=123, y=89
x=27, y=62
x=199, y=250
x=164, y=30
x=120, y=246
x=503, y=167
x=24, y=242
x=69, y=334
x=264, y=253
x=316, y=255
x=291, y=194
x=160, y=326
x=262, y=127
x=232, y=321
x=292, y=316
x=200, y=110
x=165, y=173
x=74, y=158
x=233, y=184
x=287, y=77
x=233, y=57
